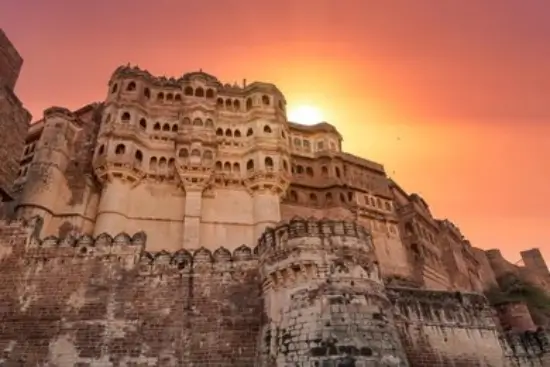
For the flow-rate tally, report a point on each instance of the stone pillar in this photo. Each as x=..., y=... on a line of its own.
x=267, y=211
x=45, y=178
x=192, y=220
x=113, y=207
x=325, y=302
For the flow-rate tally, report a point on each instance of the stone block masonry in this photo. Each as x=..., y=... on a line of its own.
x=107, y=302
x=310, y=294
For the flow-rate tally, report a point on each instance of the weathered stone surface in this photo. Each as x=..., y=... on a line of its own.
x=14, y=118
x=198, y=165
x=107, y=302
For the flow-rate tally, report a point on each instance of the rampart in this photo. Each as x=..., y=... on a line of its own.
x=446, y=329
x=107, y=302
x=310, y=294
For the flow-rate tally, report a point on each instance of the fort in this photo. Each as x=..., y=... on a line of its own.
x=186, y=222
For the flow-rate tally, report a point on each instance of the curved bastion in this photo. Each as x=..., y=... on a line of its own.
x=324, y=298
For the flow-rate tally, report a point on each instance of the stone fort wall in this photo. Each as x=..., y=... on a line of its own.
x=107, y=301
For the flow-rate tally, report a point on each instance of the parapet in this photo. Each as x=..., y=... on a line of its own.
x=86, y=245
x=129, y=71
x=442, y=306
x=132, y=248
x=276, y=238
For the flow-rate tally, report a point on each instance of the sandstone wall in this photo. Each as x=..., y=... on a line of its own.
x=446, y=329
x=106, y=302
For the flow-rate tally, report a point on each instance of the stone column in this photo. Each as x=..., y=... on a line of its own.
x=113, y=206
x=267, y=211
x=192, y=220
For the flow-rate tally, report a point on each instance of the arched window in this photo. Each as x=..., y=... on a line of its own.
x=267, y=129
x=147, y=93
x=309, y=171
x=324, y=171
x=268, y=161
x=248, y=104
x=265, y=100
x=313, y=198
x=199, y=92
x=175, y=128
x=210, y=93
x=187, y=121
x=162, y=162
x=120, y=149
x=328, y=198
x=250, y=165
x=101, y=150
x=139, y=156
x=237, y=105
x=227, y=167
x=178, y=97
x=125, y=117
x=131, y=86
x=219, y=102
x=183, y=153
x=218, y=166
x=160, y=96
x=207, y=155
x=293, y=196
x=197, y=122
x=228, y=133
x=153, y=163
x=209, y=123
x=237, y=134
x=165, y=127
x=114, y=88
x=195, y=153
x=143, y=124
x=169, y=96
x=285, y=165
x=188, y=91
x=249, y=132
x=156, y=127
x=219, y=131
x=236, y=167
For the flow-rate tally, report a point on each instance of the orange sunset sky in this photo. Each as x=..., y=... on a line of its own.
x=453, y=97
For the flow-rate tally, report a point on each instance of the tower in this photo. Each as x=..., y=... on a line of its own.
x=118, y=158
x=324, y=298
x=267, y=174
x=197, y=148
x=41, y=194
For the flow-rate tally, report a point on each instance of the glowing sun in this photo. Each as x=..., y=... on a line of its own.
x=306, y=115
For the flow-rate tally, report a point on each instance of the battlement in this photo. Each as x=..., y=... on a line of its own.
x=442, y=307
x=125, y=72
x=277, y=238
x=121, y=245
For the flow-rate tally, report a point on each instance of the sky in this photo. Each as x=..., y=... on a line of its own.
x=452, y=96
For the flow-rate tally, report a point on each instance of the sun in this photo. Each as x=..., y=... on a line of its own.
x=307, y=115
